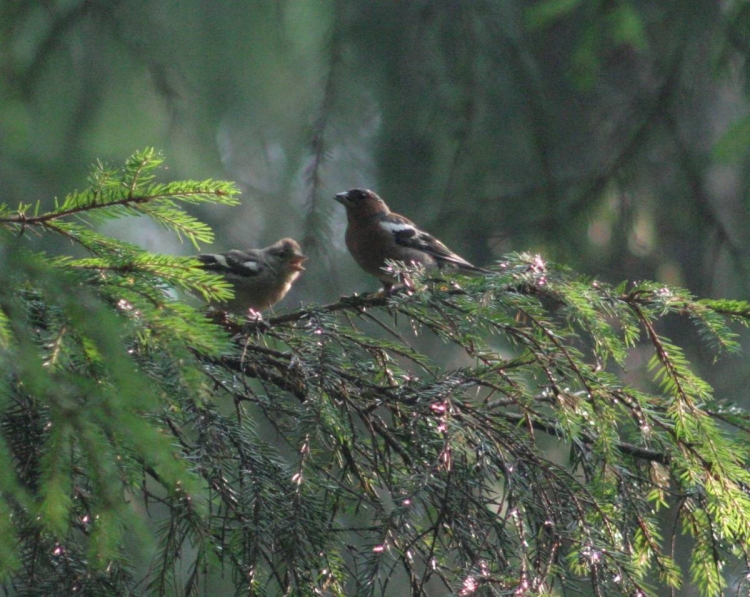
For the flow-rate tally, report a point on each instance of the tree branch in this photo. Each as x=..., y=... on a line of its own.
x=129, y=201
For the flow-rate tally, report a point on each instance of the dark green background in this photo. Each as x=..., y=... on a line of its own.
x=608, y=135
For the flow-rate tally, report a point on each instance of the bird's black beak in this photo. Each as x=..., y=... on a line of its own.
x=342, y=197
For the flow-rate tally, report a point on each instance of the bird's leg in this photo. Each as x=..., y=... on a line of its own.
x=253, y=315
x=391, y=289
x=407, y=283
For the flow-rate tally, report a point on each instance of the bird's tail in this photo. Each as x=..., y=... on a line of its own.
x=473, y=269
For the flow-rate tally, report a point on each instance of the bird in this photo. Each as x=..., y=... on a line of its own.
x=375, y=234
x=260, y=277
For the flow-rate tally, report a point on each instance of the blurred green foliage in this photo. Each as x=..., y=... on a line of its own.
x=554, y=125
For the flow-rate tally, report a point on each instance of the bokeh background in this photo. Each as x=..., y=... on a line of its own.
x=608, y=135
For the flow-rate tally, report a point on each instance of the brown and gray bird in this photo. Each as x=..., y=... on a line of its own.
x=376, y=234
x=260, y=277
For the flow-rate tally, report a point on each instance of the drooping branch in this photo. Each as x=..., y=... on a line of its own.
x=129, y=201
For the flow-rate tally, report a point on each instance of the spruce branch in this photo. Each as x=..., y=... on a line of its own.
x=130, y=191
x=548, y=316
x=333, y=442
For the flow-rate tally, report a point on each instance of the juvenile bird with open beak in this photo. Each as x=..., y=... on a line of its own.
x=260, y=277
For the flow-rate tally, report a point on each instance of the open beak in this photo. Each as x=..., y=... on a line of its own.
x=296, y=262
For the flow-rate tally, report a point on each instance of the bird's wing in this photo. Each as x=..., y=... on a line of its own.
x=239, y=263
x=406, y=234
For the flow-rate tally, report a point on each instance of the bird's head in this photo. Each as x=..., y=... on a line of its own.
x=361, y=203
x=287, y=252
